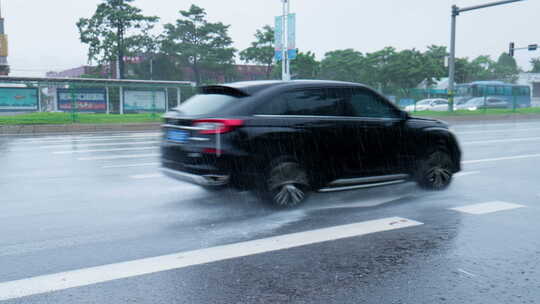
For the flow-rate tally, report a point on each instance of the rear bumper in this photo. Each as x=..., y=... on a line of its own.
x=209, y=180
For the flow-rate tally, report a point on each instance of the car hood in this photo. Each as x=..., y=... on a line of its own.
x=429, y=122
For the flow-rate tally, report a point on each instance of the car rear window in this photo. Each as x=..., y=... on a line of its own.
x=202, y=104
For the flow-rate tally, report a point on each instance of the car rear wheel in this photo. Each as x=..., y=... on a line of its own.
x=435, y=171
x=287, y=185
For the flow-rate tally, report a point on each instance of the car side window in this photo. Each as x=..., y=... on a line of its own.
x=364, y=103
x=307, y=102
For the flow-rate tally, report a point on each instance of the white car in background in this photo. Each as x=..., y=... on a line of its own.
x=432, y=104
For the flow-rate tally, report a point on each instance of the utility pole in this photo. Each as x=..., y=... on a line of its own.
x=452, y=60
x=120, y=53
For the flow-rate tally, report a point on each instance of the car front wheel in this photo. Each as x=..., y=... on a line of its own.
x=435, y=171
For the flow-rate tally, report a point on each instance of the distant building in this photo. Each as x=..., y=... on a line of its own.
x=76, y=72
x=533, y=81
x=4, y=51
x=240, y=72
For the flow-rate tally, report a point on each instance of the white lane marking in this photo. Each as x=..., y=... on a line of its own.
x=104, y=150
x=106, y=273
x=493, y=141
x=486, y=160
x=55, y=140
x=508, y=125
x=131, y=165
x=497, y=131
x=485, y=208
x=76, y=145
x=149, y=142
x=466, y=272
x=145, y=176
x=467, y=173
x=119, y=157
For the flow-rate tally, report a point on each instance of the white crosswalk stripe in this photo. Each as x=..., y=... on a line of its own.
x=485, y=208
x=106, y=273
x=89, y=139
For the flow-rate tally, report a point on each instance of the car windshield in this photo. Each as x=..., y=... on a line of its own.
x=202, y=104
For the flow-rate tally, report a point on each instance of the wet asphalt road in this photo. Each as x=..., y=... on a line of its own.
x=72, y=202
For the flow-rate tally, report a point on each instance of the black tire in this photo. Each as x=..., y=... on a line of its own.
x=286, y=185
x=435, y=171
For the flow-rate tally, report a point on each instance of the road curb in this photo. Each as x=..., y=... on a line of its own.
x=9, y=130
x=510, y=118
x=76, y=128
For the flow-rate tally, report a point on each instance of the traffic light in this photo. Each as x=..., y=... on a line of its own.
x=512, y=47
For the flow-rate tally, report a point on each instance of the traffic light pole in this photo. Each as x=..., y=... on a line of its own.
x=513, y=48
x=452, y=60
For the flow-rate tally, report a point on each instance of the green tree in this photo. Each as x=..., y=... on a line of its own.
x=378, y=69
x=506, y=68
x=536, y=65
x=162, y=67
x=433, y=64
x=116, y=29
x=480, y=68
x=199, y=44
x=261, y=50
x=343, y=65
x=305, y=66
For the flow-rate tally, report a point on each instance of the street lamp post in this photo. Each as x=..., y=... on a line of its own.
x=285, y=63
x=452, y=60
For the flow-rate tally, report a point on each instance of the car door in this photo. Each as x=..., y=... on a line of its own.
x=375, y=131
x=308, y=123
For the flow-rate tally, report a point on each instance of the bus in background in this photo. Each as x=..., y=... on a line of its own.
x=511, y=93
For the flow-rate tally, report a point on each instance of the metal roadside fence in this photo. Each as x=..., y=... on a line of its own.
x=86, y=95
x=477, y=98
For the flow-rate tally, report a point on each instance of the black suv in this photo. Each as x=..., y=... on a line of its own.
x=286, y=139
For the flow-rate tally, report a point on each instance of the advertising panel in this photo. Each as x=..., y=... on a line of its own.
x=140, y=101
x=84, y=100
x=18, y=99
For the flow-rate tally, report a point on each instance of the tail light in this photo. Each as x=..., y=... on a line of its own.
x=217, y=126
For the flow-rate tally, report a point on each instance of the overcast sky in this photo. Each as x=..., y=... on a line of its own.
x=43, y=35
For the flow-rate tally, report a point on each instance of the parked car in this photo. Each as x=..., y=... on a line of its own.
x=287, y=139
x=433, y=104
x=480, y=103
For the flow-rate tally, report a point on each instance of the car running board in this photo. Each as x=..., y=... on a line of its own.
x=365, y=182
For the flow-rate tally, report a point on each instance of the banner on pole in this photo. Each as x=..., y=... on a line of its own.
x=291, y=37
x=278, y=38
x=291, y=30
